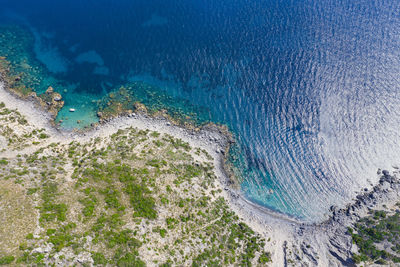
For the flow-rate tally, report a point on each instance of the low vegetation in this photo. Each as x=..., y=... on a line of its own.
x=377, y=237
x=16, y=133
x=134, y=198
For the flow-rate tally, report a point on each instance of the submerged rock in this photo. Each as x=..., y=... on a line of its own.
x=140, y=108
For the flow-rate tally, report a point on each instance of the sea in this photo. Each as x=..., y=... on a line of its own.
x=310, y=89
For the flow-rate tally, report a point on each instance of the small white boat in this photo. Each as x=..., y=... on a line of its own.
x=71, y=110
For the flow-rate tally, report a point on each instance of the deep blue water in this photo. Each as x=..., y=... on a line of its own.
x=311, y=89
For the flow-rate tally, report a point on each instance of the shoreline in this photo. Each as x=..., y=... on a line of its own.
x=328, y=238
x=210, y=137
x=267, y=223
x=216, y=139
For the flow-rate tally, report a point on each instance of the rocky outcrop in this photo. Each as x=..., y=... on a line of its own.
x=329, y=243
x=140, y=108
x=387, y=190
x=51, y=101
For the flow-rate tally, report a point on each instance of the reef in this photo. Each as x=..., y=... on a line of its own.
x=50, y=100
x=22, y=74
x=141, y=97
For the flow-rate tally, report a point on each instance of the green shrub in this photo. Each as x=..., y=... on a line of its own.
x=374, y=230
x=264, y=258
x=98, y=258
x=6, y=260
x=141, y=201
x=29, y=236
x=43, y=136
x=130, y=260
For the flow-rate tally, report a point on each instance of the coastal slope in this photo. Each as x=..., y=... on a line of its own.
x=140, y=190
x=136, y=191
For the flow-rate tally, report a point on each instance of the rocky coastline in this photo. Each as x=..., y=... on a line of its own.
x=311, y=244
x=50, y=102
x=323, y=244
x=138, y=139
x=332, y=236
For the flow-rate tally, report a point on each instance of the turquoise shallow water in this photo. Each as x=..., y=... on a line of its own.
x=85, y=111
x=309, y=88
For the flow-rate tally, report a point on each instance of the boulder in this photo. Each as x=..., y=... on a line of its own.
x=50, y=90
x=57, y=97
